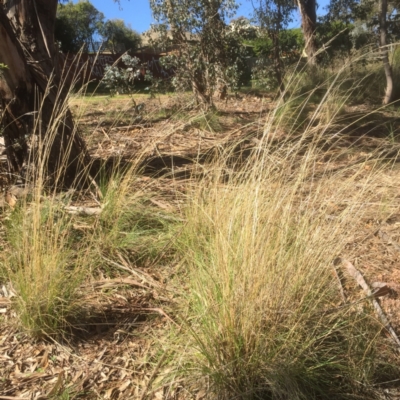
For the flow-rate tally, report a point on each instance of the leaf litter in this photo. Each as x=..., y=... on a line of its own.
x=117, y=354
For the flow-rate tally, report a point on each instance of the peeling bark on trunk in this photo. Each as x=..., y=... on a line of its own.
x=309, y=23
x=385, y=53
x=32, y=96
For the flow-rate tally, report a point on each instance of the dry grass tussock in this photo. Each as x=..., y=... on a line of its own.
x=264, y=312
x=56, y=242
x=263, y=315
x=238, y=264
x=42, y=264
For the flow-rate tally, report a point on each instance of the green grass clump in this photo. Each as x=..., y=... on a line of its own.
x=207, y=122
x=129, y=225
x=44, y=266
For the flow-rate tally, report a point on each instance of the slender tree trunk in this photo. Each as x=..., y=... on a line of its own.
x=32, y=96
x=309, y=23
x=385, y=53
x=198, y=78
x=213, y=32
x=278, y=65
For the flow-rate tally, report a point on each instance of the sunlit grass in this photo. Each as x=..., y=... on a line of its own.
x=260, y=316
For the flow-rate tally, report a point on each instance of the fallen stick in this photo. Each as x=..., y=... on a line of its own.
x=83, y=210
x=387, y=238
x=139, y=274
x=340, y=286
x=361, y=281
x=111, y=283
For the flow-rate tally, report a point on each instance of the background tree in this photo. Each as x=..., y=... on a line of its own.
x=385, y=52
x=385, y=22
x=274, y=16
x=119, y=37
x=335, y=28
x=243, y=28
x=345, y=11
x=308, y=14
x=65, y=35
x=77, y=25
x=353, y=15
x=373, y=22
x=195, y=33
x=338, y=37
x=28, y=49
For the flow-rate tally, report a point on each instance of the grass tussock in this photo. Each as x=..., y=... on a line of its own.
x=263, y=310
x=51, y=249
x=129, y=226
x=45, y=266
x=43, y=259
x=263, y=298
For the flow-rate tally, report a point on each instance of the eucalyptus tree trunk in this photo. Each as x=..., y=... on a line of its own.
x=32, y=96
x=278, y=63
x=179, y=39
x=308, y=14
x=200, y=80
x=385, y=53
x=214, y=50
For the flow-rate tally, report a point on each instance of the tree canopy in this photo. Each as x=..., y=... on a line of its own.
x=82, y=25
x=203, y=58
x=119, y=37
x=77, y=25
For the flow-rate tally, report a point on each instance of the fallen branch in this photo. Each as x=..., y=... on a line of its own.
x=361, y=281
